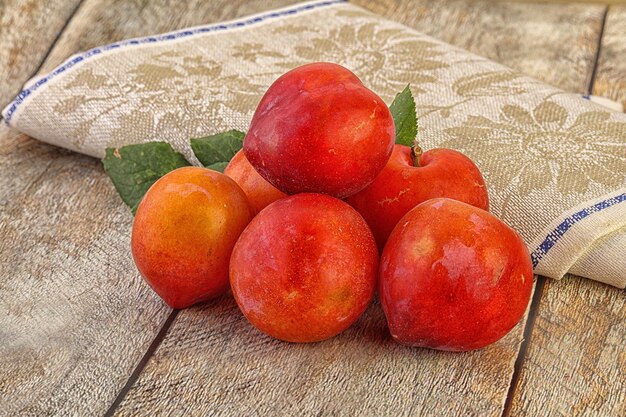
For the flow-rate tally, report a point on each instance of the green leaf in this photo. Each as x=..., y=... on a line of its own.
x=218, y=166
x=215, y=151
x=405, y=117
x=134, y=168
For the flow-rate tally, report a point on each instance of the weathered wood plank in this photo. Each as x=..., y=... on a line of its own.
x=521, y=36
x=576, y=362
x=530, y=37
x=611, y=73
x=188, y=373
x=213, y=362
x=75, y=317
x=602, y=2
x=22, y=160
x=57, y=232
x=103, y=22
x=181, y=372
x=200, y=337
x=27, y=31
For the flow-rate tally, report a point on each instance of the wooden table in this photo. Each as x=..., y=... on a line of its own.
x=81, y=334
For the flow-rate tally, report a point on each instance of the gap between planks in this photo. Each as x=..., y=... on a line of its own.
x=519, y=362
x=142, y=363
x=536, y=299
x=521, y=353
x=594, y=69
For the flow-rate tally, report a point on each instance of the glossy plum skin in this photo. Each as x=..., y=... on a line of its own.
x=184, y=231
x=260, y=193
x=305, y=268
x=453, y=277
x=319, y=129
x=401, y=186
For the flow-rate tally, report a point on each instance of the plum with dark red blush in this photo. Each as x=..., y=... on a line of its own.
x=401, y=186
x=319, y=129
x=260, y=193
x=305, y=268
x=453, y=277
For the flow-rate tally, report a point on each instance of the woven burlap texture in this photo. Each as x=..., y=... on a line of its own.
x=555, y=164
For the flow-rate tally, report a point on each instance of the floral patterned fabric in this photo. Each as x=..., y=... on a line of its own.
x=555, y=164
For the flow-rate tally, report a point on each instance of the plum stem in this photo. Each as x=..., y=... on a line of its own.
x=416, y=153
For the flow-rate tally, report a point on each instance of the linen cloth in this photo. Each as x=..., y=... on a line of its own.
x=555, y=164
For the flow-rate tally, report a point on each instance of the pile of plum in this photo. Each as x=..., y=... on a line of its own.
x=319, y=210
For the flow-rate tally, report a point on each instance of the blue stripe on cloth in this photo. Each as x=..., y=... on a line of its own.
x=160, y=38
x=554, y=236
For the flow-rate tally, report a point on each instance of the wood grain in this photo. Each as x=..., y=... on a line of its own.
x=102, y=22
x=181, y=372
x=602, y=2
x=27, y=31
x=75, y=317
x=611, y=73
x=213, y=362
x=529, y=37
x=576, y=361
x=22, y=160
x=67, y=289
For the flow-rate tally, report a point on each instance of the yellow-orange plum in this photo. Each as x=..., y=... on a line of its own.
x=184, y=232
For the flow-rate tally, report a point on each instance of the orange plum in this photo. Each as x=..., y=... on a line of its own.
x=260, y=193
x=184, y=231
